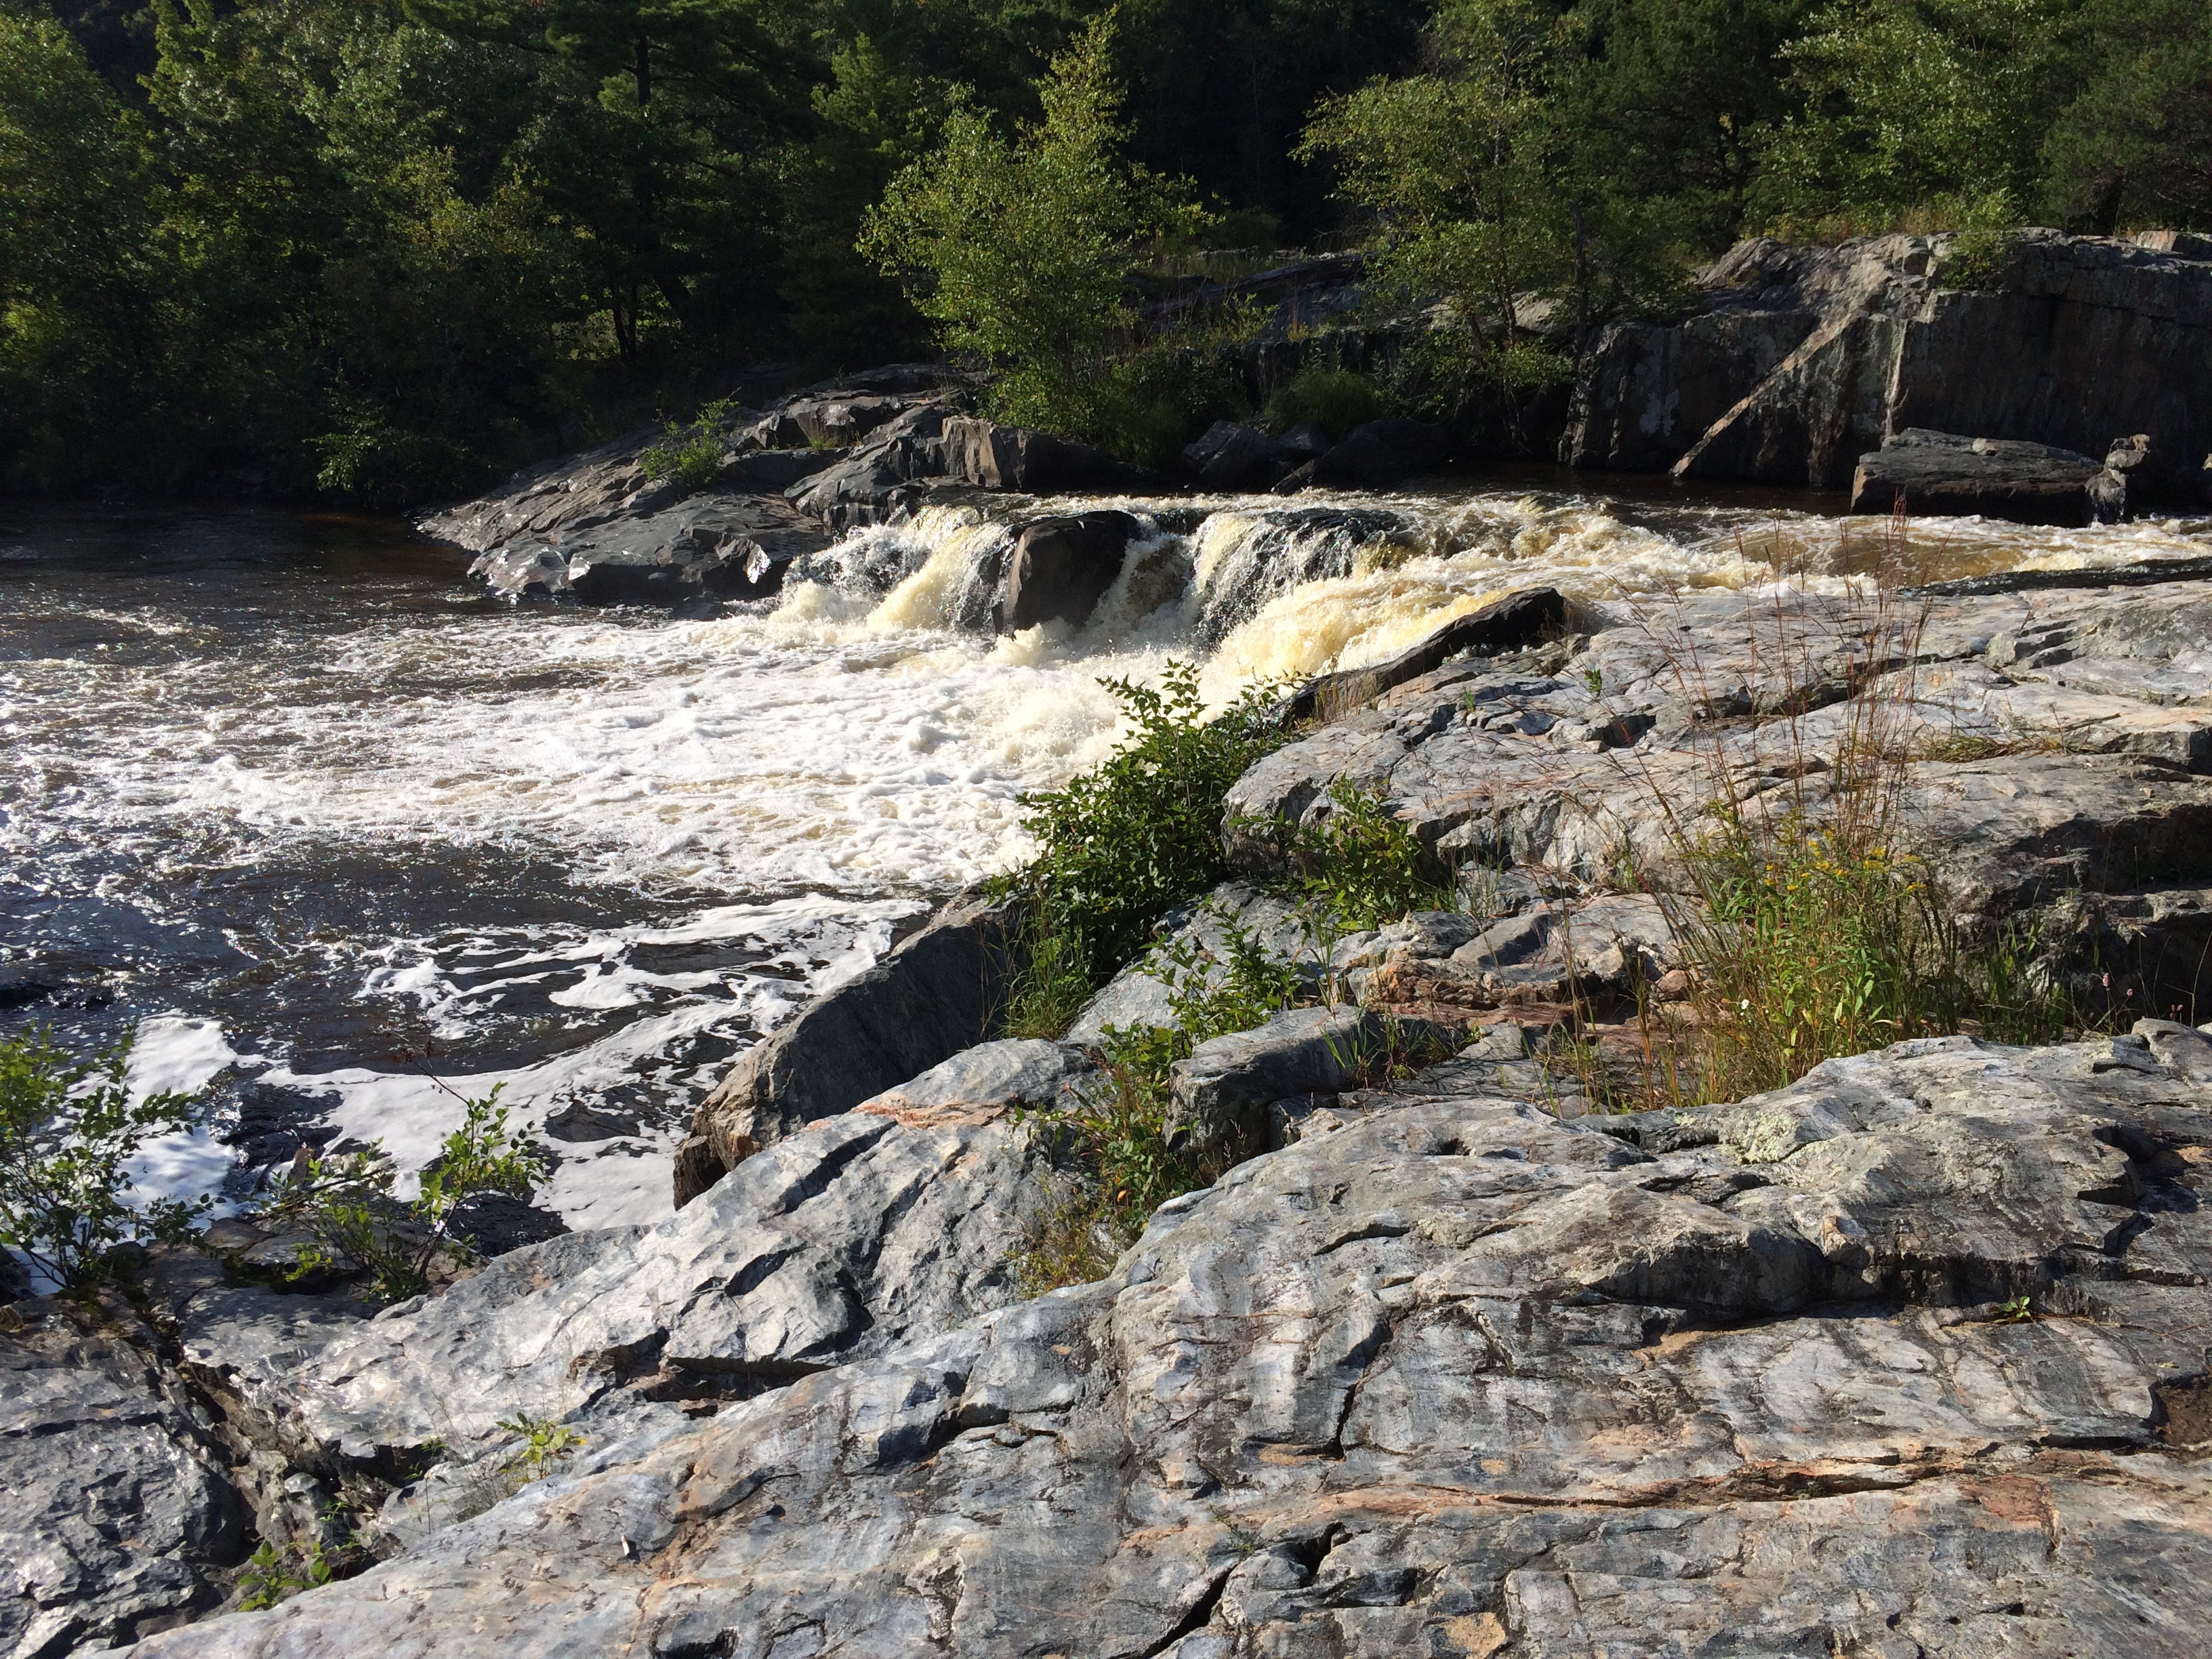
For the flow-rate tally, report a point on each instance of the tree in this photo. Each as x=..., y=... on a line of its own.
x=1933, y=107
x=1019, y=249
x=2134, y=150
x=1459, y=166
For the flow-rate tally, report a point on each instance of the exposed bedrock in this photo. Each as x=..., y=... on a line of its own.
x=940, y=990
x=1454, y=1377
x=2055, y=746
x=1794, y=362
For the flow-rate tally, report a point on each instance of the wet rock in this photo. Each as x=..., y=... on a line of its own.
x=708, y=546
x=1455, y=1376
x=940, y=990
x=1382, y=452
x=1232, y=456
x=765, y=470
x=901, y=466
x=1306, y=441
x=117, y=1517
x=1795, y=361
x=1060, y=568
x=1938, y=472
x=1517, y=620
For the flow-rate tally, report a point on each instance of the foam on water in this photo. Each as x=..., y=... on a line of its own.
x=779, y=787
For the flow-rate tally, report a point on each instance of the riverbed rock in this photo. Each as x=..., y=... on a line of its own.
x=1232, y=456
x=1792, y=363
x=2065, y=737
x=117, y=1515
x=1507, y=625
x=1384, y=451
x=1940, y=472
x=991, y=456
x=939, y=992
x=1060, y=568
x=1906, y=1358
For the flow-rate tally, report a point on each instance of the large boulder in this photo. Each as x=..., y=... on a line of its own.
x=1792, y=361
x=1939, y=472
x=1907, y=1358
x=990, y=456
x=939, y=991
x=706, y=547
x=1232, y=456
x=1382, y=452
x=1060, y=568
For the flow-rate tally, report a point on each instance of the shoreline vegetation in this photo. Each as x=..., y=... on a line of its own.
x=306, y=250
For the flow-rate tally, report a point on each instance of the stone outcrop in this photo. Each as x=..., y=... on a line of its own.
x=1058, y=568
x=939, y=992
x=1907, y=1358
x=2066, y=732
x=1793, y=362
x=1939, y=472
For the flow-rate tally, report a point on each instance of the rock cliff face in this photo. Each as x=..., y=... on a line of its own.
x=1461, y=1378
x=1795, y=361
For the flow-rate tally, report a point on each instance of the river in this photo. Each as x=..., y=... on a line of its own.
x=341, y=841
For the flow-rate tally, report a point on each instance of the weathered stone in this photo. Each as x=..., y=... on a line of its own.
x=1060, y=568
x=1936, y=472
x=1458, y=1377
x=1233, y=456
x=1382, y=452
x=939, y=992
x=983, y=1083
x=116, y=1516
x=990, y=456
x=1517, y=620
x=1794, y=361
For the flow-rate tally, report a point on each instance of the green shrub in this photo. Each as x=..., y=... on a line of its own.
x=1334, y=399
x=346, y=1203
x=1359, y=866
x=67, y=1130
x=1112, y=1143
x=1149, y=404
x=691, y=452
x=1141, y=833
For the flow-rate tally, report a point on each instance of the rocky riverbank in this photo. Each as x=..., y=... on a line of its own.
x=1907, y=1357
x=2060, y=383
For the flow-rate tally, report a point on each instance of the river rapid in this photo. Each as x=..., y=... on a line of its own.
x=335, y=837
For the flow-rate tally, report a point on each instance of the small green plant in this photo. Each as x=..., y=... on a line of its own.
x=1979, y=248
x=2020, y=1310
x=691, y=452
x=1595, y=679
x=271, y=1575
x=1113, y=1141
x=346, y=1203
x=545, y=1446
x=68, y=1130
x=1358, y=865
x=1126, y=841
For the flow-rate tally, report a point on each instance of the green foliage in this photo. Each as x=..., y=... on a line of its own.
x=1112, y=1143
x=1141, y=832
x=271, y=1575
x=1335, y=399
x=1360, y=866
x=691, y=452
x=1018, y=249
x=68, y=1129
x=545, y=1445
x=2133, y=150
x=1913, y=106
x=347, y=1204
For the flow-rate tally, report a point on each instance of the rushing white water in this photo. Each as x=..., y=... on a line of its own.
x=303, y=814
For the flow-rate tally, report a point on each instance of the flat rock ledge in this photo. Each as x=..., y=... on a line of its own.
x=1458, y=1377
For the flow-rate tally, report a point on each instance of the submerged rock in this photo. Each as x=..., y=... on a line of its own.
x=1459, y=1377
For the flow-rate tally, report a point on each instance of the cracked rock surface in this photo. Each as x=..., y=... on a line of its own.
x=1458, y=1377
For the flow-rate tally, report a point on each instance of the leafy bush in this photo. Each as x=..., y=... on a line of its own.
x=1113, y=1142
x=67, y=1130
x=1359, y=867
x=545, y=1445
x=346, y=1203
x=1334, y=399
x=271, y=1575
x=1151, y=403
x=692, y=452
x=1141, y=832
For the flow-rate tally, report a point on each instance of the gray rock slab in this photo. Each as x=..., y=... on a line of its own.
x=1458, y=1377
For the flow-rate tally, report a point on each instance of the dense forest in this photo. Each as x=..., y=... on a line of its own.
x=378, y=250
